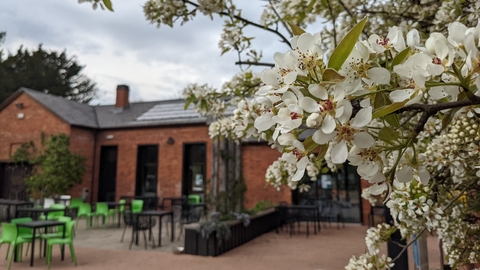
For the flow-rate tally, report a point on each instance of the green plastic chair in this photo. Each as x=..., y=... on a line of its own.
x=193, y=198
x=57, y=234
x=68, y=240
x=75, y=202
x=25, y=233
x=85, y=210
x=10, y=237
x=117, y=211
x=101, y=209
x=55, y=214
x=137, y=206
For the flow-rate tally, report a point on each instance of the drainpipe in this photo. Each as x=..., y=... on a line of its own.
x=93, y=164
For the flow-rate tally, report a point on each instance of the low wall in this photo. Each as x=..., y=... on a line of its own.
x=260, y=223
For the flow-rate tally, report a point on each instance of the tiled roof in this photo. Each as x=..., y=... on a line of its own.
x=142, y=114
x=72, y=112
x=155, y=113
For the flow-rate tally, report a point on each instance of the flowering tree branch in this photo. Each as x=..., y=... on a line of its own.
x=431, y=109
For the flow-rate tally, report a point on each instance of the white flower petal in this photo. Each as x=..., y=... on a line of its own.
x=401, y=95
x=322, y=138
x=290, y=78
x=379, y=75
x=328, y=124
x=377, y=189
x=363, y=140
x=318, y=91
x=264, y=122
x=405, y=174
x=363, y=118
x=309, y=105
x=339, y=153
x=424, y=175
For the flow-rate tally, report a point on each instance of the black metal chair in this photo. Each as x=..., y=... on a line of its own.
x=141, y=223
x=127, y=220
x=332, y=211
x=376, y=210
x=190, y=215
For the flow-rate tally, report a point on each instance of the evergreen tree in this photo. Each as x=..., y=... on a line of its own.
x=47, y=71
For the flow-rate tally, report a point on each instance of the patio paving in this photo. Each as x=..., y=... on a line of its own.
x=331, y=249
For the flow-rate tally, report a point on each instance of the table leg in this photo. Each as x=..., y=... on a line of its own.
x=160, y=231
x=9, y=218
x=33, y=247
x=173, y=227
x=119, y=214
x=63, y=236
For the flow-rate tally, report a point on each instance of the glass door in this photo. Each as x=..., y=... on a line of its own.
x=194, y=164
x=147, y=168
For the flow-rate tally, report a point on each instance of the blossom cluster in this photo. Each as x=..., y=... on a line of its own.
x=371, y=259
x=280, y=173
x=459, y=235
x=201, y=94
x=413, y=210
x=341, y=108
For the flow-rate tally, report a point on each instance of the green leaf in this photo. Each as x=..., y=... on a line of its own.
x=323, y=151
x=187, y=104
x=309, y=144
x=388, y=134
x=388, y=109
x=393, y=120
x=297, y=31
x=331, y=76
x=401, y=57
x=108, y=4
x=381, y=99
x=343, y=50
x=448, y=117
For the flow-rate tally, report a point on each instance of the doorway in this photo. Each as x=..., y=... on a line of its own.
x=107, y=178
x=147, y=168
x=194, y=169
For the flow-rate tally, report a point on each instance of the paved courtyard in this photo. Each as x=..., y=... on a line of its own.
x=100, y=248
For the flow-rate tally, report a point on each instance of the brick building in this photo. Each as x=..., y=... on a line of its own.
x=148, y=148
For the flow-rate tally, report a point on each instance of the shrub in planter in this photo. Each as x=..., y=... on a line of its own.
x=213, y=224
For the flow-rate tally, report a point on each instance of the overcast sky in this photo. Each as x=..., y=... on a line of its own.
x=123, y=48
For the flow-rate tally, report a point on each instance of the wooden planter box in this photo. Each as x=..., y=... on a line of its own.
x=260, y=223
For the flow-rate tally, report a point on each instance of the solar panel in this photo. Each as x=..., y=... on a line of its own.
x=168, y=111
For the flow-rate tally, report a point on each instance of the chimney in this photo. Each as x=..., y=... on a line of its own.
x=122, y=97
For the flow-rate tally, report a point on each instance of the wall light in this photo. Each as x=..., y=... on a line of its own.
x=109, y=137
x=170, y=140
x=20, y=115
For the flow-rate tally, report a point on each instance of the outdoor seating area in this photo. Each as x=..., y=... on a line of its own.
x=147, y=229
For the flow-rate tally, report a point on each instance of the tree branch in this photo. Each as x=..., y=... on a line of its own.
x=431, y=109
x=248, y=22
x=254, y=63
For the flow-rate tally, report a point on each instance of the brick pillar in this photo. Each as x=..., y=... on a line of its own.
x=122, y=97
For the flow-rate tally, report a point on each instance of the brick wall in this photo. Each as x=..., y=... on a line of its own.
x=170, y=156
x=82, y=141
x=365, y=204
x=255, y=160
x=36, y=119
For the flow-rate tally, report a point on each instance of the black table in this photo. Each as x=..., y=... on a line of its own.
x=41, y=224
x=149, y=201
x=14, y=203
x=38, y=211
x=300, y=213
x=160, y=215
x=175, y=201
